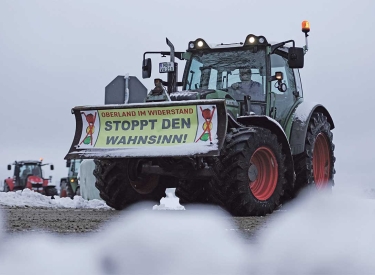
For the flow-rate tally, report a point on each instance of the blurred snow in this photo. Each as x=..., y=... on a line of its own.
x=319, y=234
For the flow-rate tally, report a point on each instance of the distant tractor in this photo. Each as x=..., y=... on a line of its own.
x=69, y=186
x=238, y=134
x=29, y=174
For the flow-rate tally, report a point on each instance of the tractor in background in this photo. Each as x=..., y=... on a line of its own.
x=29, y=174
x=69, y=186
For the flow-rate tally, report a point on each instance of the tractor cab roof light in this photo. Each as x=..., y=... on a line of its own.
x=198, y=44
x=253, y=40
x=306, y=29
x=305, y=26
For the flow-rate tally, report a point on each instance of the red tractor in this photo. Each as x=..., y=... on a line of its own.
x=29, y=174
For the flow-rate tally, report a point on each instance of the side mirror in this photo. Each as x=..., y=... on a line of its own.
x=296, y=58
x=68, y=162
x=9, y=167
x=52, y=167
x=146, y=68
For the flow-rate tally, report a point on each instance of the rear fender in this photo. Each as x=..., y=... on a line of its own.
x=154, y=129
x=301, y=119
x=274, y=127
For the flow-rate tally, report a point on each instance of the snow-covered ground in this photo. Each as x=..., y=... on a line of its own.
x=320, y=234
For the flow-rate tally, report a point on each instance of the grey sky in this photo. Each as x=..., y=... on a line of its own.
x=55, y=55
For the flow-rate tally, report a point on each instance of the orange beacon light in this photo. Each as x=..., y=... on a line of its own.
x=305, y=26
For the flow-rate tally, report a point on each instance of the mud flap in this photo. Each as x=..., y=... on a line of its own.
x=169, y=129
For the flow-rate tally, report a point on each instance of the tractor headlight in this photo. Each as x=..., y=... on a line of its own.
x=253, y=40
x=197, y=44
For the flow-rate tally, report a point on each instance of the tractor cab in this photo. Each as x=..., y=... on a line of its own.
x=27, y=169
x=255, y=77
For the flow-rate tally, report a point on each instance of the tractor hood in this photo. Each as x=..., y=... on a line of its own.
x=153, y=129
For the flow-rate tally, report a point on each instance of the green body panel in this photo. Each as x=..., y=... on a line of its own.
x=233, y=106
x=287, y=125
x=74, y=184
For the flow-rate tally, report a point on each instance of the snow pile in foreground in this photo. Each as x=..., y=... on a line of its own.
x=29, y=198
x=320, y=234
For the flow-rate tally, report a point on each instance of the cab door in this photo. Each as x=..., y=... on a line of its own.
x=282, y=102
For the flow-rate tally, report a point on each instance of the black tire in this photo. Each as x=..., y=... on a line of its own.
x=50, y=191
x=192, y=191
x=115, y=186
x=78, y=191
x=238, y=185
x=319, y=129
x=6, y=187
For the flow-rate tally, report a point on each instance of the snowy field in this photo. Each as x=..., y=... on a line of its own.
x=325, y=234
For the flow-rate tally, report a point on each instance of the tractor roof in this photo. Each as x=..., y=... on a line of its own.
x=28, y=162
x=251, y=40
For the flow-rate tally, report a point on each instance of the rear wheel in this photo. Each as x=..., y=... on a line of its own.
x=120, y=186
x=315, y=166
x=63, y=189
x=250, y=173
x=66, y=189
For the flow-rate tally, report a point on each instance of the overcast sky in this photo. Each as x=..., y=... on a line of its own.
x=55, y=55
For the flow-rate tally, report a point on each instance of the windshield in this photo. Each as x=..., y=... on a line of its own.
x=30, y=169
x=235, y=71
x=74, y=167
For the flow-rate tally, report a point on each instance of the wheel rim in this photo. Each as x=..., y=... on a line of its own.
x=143, y=184
x=263, y=173
x=321, y=161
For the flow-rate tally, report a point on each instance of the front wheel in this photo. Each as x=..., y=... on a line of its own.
x=192, y=191
x=50, y=191
x=6, y=187
x=119, y=185
x=250, y=173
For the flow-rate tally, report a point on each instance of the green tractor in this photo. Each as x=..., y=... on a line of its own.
x=238, y=133
x=69, y=186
